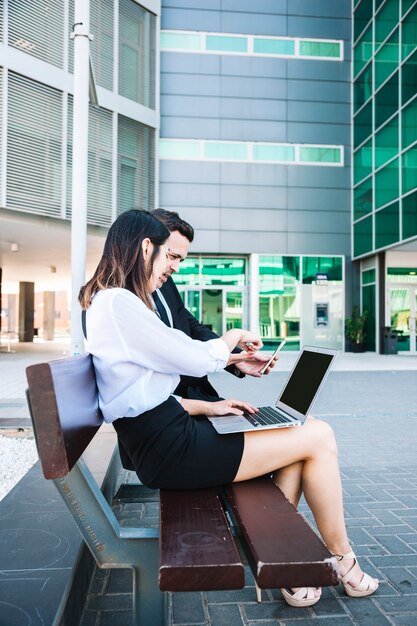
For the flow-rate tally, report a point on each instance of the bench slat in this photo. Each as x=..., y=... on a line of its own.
x=282, y=549
x=197, y=551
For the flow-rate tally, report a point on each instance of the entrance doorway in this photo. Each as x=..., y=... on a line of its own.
x=220, y=308
x=402, y=315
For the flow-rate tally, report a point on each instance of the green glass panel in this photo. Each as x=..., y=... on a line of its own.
x=409, y=204
x=362, y=52
x=361, y=17
x=193, y=303
x=369, y=305
x=387, y=225
x=409, y=33
x=386, y=143
x=320, y=49
x=362, y=236
x=283, y=47
x=271, y=274
x=180, y=41
x=179, y=149
x=387, y=59
x=189, y=273
x=409, y=78
x=223, y=271
x=313, y=265
x=362, y=198
x=386, y=101
x=385, y=20
x=362, y=162
x=265, y=152
x=226, y=151
x=409, y=170
x=225, y=43
x=363, y=87
x=362, y=124
x=368, y=276
x=316, y=154
x=400, y=316
x=409, y=124
x=387, y=184
x=405, y=5
x=234, y=310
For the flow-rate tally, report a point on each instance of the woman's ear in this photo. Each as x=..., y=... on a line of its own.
x=146, y=247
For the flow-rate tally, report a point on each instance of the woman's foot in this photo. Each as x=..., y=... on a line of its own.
x=302, y=596
x=357, y=584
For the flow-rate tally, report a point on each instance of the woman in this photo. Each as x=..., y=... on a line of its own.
x=138, y=360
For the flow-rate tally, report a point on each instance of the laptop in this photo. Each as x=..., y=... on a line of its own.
x=294, y=402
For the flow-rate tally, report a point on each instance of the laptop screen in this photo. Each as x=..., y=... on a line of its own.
x=305, y=380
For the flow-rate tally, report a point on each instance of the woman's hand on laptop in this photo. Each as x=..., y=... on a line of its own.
x=229, y=407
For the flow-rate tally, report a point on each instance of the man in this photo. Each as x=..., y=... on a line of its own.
x=173, y=312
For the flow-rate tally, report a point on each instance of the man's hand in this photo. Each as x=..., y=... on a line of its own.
x=253, y=364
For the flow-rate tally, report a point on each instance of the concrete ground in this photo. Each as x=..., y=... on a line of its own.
x=371, y=403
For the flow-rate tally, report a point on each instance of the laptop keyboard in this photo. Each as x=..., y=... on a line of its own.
x=266, y=416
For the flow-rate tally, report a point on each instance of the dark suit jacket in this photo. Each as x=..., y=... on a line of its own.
x=191, y=387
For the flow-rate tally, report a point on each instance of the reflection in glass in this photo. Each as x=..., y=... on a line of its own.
x=400, y=316
x=387, y=184
x=234, y=309
x=409, y=204
x=387, y=225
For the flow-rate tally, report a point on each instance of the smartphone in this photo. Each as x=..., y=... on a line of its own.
x=268, y=363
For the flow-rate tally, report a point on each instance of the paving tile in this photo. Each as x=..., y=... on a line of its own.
x=221, y=614
x=366, y=612
x=187, y=608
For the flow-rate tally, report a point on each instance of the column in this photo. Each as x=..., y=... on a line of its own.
x=48, y=315
x=26, y=311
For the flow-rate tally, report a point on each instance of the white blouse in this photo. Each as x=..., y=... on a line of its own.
x=138, y=358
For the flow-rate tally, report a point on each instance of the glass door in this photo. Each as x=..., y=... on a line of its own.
x=403, y=311
x=219, y=309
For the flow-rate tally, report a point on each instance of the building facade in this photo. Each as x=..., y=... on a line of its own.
x=242, y=117
x=385, y=166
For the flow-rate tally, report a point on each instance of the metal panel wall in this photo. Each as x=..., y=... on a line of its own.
x=269, y=208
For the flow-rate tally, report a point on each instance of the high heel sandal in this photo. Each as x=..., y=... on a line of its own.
x=365, y=587
x=302, y=598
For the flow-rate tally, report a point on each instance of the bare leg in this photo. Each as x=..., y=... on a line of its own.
x=289, y=480
x=315, y=447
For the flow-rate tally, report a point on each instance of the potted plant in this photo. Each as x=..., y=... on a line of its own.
x=355, y=329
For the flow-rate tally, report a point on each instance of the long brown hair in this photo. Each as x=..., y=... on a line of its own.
x=122, y=264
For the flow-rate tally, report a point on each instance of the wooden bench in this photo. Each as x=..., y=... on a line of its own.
x=194, y=548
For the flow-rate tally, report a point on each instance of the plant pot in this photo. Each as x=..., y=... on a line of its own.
x=358, y=347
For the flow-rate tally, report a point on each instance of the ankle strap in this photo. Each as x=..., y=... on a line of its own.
x=349, y=555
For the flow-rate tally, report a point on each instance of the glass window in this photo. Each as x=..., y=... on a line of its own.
x=368, y=276
x=409, y=78
x=273, y=46
x=362, y=17
x=137, y=54
x=405, y=5
x=362, y=198
x=409, y=33
x=409, y=170
x=180, y=41
x=386, y=101
x=314, y=265
x=386, y=61
x=189, y=273
x=362, y=124
x=362, y=160
x=320, y=49
x=387, y=225
x=279, y=301
x=363, y=87
x=362, y=52
x=271, y=152
x=316, y=154
x=386, y=143
x=226, y=151
x=387, y=184
x=171, y=149
x=386, y=20
x=409, y=204
x=362, y=236
x=225, y=43
x=409, y=124
x=219, y=271
x=369, y=305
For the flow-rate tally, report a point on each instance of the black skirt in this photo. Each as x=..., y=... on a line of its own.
x=169, y=449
